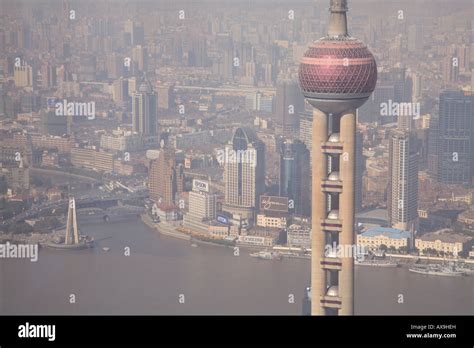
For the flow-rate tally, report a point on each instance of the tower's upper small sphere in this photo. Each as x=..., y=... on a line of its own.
x=339, y=68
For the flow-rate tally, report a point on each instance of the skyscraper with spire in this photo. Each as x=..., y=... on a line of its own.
x=144, y=115
x=337, y=75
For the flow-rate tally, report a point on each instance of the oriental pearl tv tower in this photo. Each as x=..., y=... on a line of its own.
x=337, y=75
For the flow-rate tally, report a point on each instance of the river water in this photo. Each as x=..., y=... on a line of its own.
x=163, y=275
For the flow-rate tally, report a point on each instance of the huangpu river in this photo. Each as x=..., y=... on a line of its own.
x=163, y=275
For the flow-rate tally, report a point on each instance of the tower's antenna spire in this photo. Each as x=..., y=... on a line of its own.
x=338, y=20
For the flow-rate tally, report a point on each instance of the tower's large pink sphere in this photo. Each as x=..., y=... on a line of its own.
x=338, y=69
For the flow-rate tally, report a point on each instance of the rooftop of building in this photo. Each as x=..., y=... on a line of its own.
x=445, y=235
x=376, y=213
x=264, y=231
x=166, y=207
x=392, y=233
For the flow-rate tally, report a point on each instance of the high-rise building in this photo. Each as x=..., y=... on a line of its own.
x=455, y=138
x=226, y=65
x=451, y=69
x=464, y=57
x=337, y=75
x=202, y=203
x=416, y=93
x=140, y=57
x=23, y=75
x=289, y=103
x=166, y=177
x=202, y=208
x=132, y=86
x=165, y=97
x=415, y=38
x=294, y=176
x=144, y=119
x=402, y=201
x=268, y=74
x=114, y=66
x=306, y=130
x=134, y=31
x=244, y=172
x=198, y=53
x=120, y=92
x=48, y=76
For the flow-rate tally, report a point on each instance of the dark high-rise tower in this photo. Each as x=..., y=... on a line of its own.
x=455, y=138
x=144, y=109
x=337, y=75
x=289, y=103
x=294, y=175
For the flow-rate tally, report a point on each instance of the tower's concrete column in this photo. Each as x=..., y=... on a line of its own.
x=346, y=211
x=69, y=224
x=318, y=275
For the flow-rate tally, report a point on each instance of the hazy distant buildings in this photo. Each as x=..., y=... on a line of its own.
x=134, y=33
x=225, y=66
x=140, y=58
x=121, y=140
x=115, y=66
x=53, y=124
x=370, y=112
x=48, y=76
x=402, y=201
x=198, y=53
x=92, y=159
x=144, y=118
x=257, y=101
x=394, y=87
x=268, y=74
x=415, y=38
